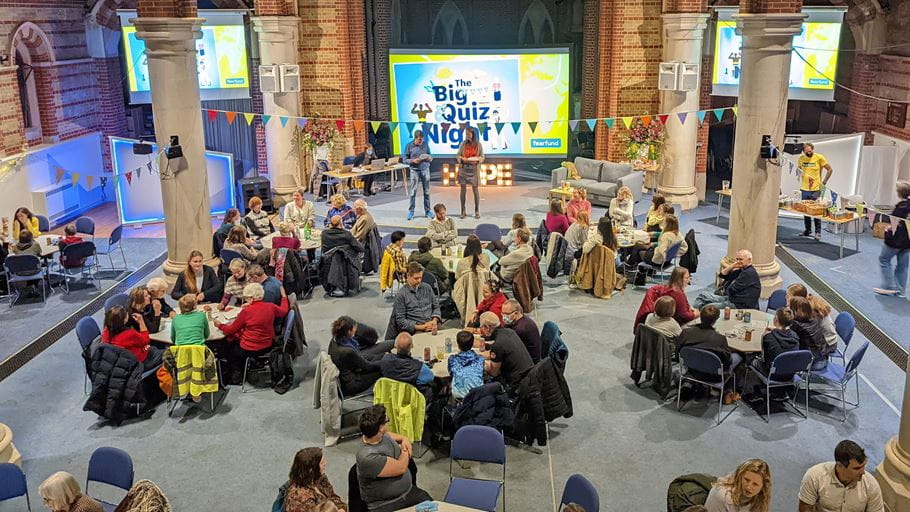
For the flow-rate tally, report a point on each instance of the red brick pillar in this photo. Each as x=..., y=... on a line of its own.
x=861, y=112
x=12, y=130
x=109, y=79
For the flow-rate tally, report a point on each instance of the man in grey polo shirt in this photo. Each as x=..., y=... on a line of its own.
x=842, y=485
x=385, y=470
x=416, y=308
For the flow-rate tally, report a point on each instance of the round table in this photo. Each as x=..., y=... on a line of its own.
x=164, y=333
x=423, y=340
x=628, y=237
x=314, y=242
x=734, y=330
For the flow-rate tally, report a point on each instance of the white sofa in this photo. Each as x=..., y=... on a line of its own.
x=601, y=179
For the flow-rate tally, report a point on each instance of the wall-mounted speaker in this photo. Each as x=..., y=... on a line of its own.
x=269, y=80
x=290, y=77
x=666, y=80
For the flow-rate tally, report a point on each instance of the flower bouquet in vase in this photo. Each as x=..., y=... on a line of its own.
x=316, y=139
x=644, y=145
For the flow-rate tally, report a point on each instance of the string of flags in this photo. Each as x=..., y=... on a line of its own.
x=409, y=126
x=89, y=179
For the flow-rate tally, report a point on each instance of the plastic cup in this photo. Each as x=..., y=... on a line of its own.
x=440, y=352
x=725, y=184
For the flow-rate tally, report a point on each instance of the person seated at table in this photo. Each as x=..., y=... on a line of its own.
x=778, y=340
x=822, y=311
x=741, y=285
x=61, y=493
x=508, y=243
x=141, y=303
x=337, y=236
x=808, y=328
x=190, y=327
x=662, y=321
x=308, y=487
x=233, y=287
x=238, y=242
x=474, y=258
x=511, y=262
x=257, y=220
x=286, y=238
x=621, y=207
x=157, y=288
x=70, y=238
x=117, y=332
x=577, y=233
x=493, y=299
x=578, y=203
x=362, y=159
x=675, y=288
x=656, y=254
x=430, y=263
x=703, y=336
x=199, y=279
x=796, y=290
x=342, y=209
x=465, y=367
x=514, y=317
x=508, y=358
x=386, y=472
x=601, y=234
x=232, y=218
x=274, y=290
x=364, y=224
x=441, y=229
x=393, y=264
x=748, y=489
x=556, y=220
x=416, y=308
x=299, y=211
x=356, y=355
x=655, y=215
x=403, y=367
x=23, y=219
x=27, y=244
x=252, y=332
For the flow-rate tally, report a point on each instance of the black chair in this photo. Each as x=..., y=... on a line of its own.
x=430, y=279
x=43, y=224
x=113, y=243
x=24, y=268
x=265, y=358
x=355, y=501
x=85, y=226
x=706, y=363
x=83, y=252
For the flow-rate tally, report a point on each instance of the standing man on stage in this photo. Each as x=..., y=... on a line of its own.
x=417, y=156
x=811, y=165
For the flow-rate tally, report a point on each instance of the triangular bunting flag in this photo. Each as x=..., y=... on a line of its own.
x=340, y=124
x=871, y=216
x=609, y=122
x=482, y=127
x=129, y=177
x=88, y=182
x=425, y=127
x=59, y=171
x=735, y=109
x=499, y=127
x=393, y=126
x=646, y=120
x=75, y=177
x=821, y=190
x=532, y=125
x=516, y=127
x=701, y=115
x=358, y=126
x=682, y=117
x=284, y=121
x=627, y=121
x=894, y=221
x=445, y=126
x=591, y=123
x=719, y=113
x=573, y=124
x=212, y=114
x=663, y=118
x=138, y=173
x=266, y=119
x=249, y=118
x=301, y=122
x=230, y=116
x=409, y=126
x=149, y=165
x=545, y=126
x=375, y=125
x=461, y=126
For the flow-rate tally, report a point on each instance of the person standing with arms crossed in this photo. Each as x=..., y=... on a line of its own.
x=417, y=156
x=469, y=155
x=811, y=164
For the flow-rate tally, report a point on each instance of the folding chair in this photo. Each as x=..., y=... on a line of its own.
x=285, y=336
x=839, y=376
x=111, y=466
x=84, y=251
x=23, y=268
x=193, y=373
x=488, y=232
x=790, y=364
x=707, y=363
x=581, y=491
x=13, y=483
x=113, y=243
x=669, y=263
x=844, y=324
x=87, y=331
x=85, y=226
x=483, y=444
x=777, y=300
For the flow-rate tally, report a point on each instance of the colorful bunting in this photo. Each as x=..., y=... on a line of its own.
x=212, y=114
x=663, y=118
x=284, y=121
x=445, y=126
x=735, y=109
x=138, y=173
x=358, y=126
x=301, y=122
x=340, y=124
x=719, y=113
x=871, y=216
x=88, y=181
x=265, y=119
x=701, y=115
x=375, y=125
x=75, y=177
x=59, y=171
x=834, y=197
x=682, y=117
x=609, y=122
x=532, y=125
x=482, y=127
x=499, y=127
x=646, y=120
x=627, y=121
x=410, y=127
x=393, y=126
x=249, y=118
x=230, y=117
x=591, y=123
x=894, y=220
x=573, y=124
x=129, y=177
x=516, y=127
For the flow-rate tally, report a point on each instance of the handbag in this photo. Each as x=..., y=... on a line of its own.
x=165, y=381
x=879, y=229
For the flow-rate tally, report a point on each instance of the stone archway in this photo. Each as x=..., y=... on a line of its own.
x=30, y=48
x=31, y=41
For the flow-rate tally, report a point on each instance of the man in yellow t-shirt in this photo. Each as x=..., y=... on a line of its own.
x=811, y=165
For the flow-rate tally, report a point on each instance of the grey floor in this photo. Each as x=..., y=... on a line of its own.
x=621, y=437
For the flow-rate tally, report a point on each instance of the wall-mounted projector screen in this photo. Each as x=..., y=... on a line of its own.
x=221, y=57
x=818, y=43
x=483, y=86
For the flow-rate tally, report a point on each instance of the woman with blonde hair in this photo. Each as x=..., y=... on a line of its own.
x=198, y=279
x=748, y=489
x=655, y=213
x=621, y=207
x=656, y=254
x=341, y=208
x=518, y=222
x=61, y=493
x=578, y=203
x=822, y=312
x=578, y=231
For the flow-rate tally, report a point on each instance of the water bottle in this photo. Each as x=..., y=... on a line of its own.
x=306, y=231
x=448, y=345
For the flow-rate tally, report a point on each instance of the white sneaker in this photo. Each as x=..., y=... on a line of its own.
x=883, y=291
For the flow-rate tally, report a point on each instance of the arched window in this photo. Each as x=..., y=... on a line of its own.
x=30, y=46
x=28, y=96
x=450, y=27
x=536, y=25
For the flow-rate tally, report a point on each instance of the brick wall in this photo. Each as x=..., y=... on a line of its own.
x=274, y=8
x=590, y=59
x=12, y=132
x=770, y=6
x=861, y=112
x=379, y=100
x=678, y=6
x=112, y=115
x=704, y=101
x=167, y=8
x=262, y=160
x=893, y=83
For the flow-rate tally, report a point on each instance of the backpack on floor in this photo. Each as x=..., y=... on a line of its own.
x=688, y=490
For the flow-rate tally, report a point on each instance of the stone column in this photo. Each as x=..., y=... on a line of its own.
x=683, y=34
x=171, y=52
x=767, y=44
x=893, y=474
x=278, y=38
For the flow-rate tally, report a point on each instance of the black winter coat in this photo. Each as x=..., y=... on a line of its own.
x=560, y=260
x=339, y=269
x=554, y=391
x=689, y=260
x=116, y=384
x=372, y=252
x=356, y=374
x=899, y=239
x=487, y=405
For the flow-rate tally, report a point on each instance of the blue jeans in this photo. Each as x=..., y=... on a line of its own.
x=806, y=194
x=895, y=279
x=424, y=177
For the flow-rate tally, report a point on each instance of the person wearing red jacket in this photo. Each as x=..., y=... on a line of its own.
x=252, y=333
x=493, y=299
x=676, y=288
x=118, y=333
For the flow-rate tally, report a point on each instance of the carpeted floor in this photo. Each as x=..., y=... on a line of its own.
x=630, y=444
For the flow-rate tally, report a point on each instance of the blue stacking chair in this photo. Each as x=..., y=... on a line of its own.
x=581, y=491
x=87, y=331
x=844, y=324
x=85, y=226
x=227, y=256
x=113, y=244
x=792, y=364
x=839, y=376
x=488, y=232
x=121, y=299
x=777, y=300
x=708, y=363
x=669, y=262
x=479, y=444
x=111, y=466
x=44, y=225
x=23, y=268
x=84, y=251
x=13, y=484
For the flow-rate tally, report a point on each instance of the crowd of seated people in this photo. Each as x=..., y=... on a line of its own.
x=342, y=209
x=441, y=230
x=430, y=263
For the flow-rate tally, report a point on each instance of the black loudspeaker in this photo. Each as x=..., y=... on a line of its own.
x=141, y=148
x=254, y=186
x=767, y=150
x=793, y=148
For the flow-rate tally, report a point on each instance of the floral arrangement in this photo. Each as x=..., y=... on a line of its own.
x=317, y=133
x=644, y=142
